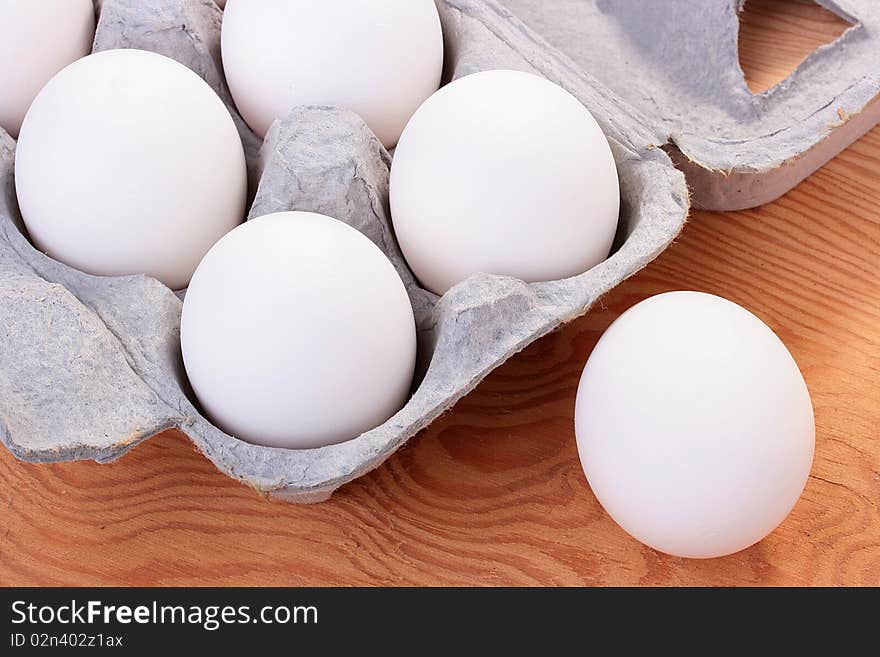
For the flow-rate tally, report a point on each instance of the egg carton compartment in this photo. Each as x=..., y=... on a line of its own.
x=91, y=366
x=678, y=62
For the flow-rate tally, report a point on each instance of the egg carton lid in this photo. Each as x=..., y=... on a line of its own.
x=678, y=63
x=91, y=366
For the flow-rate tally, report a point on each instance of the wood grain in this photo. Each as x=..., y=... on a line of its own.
x=493, y=493
x=777, y=35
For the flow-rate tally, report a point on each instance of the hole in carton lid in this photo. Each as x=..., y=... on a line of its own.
x=776, y=36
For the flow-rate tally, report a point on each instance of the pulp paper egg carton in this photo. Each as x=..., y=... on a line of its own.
x=90, y=367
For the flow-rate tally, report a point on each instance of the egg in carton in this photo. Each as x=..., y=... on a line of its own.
x=91, y=366
x=680, y=64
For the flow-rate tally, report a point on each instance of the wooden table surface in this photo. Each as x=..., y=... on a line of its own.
x=493, y=493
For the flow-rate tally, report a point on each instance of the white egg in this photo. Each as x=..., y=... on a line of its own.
x=37, y=39
x=694, y=425
x=380, y=59
x=129, y=163
x=503, y=173
x=297, y=332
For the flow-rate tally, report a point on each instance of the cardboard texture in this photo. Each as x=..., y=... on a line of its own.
x=89, y=366
x=678, y=61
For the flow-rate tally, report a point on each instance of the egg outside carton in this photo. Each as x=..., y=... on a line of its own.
x=91, y=366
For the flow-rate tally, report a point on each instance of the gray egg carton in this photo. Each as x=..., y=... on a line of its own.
x=678, y=62
x=91, y=366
